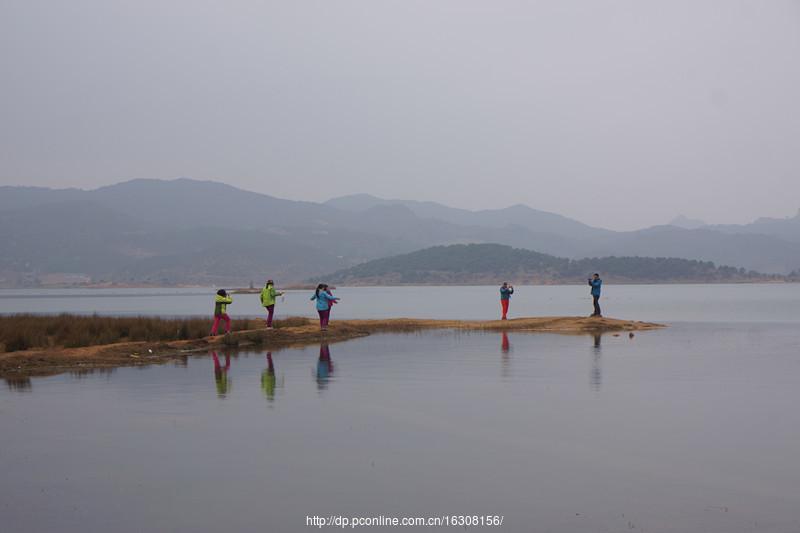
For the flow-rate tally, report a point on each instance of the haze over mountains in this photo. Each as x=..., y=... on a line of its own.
x=199, y=232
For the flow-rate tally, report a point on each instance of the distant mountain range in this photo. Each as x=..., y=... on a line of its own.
x=186, y=231
x=767, y=245
x=492, y=263
x=685, y=222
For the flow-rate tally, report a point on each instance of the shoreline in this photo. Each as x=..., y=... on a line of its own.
x=42, y=362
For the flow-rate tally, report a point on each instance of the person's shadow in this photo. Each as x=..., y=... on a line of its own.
x=221, y=378
x=324, y=366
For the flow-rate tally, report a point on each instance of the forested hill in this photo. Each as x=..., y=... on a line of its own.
x=492, y=263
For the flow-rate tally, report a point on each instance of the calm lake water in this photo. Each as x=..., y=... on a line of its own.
x=694, y=303
x=692, y=428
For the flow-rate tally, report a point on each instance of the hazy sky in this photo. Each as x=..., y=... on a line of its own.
x=618, y=113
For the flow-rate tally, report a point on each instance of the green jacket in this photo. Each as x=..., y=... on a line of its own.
x=221, y=304
x=268, y=295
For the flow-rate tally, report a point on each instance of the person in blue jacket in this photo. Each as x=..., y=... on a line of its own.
x=596, y=284
x=324, y=302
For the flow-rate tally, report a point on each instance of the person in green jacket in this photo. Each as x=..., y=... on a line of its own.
x=221, y=302
x=268, y=295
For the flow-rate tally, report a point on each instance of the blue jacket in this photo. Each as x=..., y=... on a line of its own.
x=596, y=284
x=323, y=300
x=506, y=292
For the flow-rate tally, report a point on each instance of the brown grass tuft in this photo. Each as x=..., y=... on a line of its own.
x=23, y=332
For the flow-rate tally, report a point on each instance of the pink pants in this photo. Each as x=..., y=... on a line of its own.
x=217, y=318
x=324, y=316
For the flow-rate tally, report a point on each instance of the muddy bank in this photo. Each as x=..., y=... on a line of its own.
x=53, y=361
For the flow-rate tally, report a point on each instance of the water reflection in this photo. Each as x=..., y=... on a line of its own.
x=324, y=366
x=268, y=381
x=19, y=383
x=596, y=375
x=505, y=345
x=221, y=378
x=505, y=355
x=81, y=373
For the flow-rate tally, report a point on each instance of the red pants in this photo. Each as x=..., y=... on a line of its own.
x=504, y=305
x=217, y=318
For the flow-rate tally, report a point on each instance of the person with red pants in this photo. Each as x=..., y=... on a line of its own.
x=324, y=302
x=505, y=298
x=221, y=302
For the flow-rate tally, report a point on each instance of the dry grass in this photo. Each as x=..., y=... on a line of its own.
x=23, y=332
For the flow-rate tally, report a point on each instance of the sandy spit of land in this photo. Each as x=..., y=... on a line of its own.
x=53, y=361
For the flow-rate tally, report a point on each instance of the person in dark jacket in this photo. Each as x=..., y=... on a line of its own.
x=596, y=284
x=506, y=291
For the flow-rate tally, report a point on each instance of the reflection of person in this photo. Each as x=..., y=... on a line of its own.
x=268, y=379
x=268, y=295
x=505, y=345
x=324, y=365
x=596, y=284
x=221, y=302
x=596, y=377
x=18, y=383
x=505, y=358
x=221, y=374
x=506, y=291
x=324, y=302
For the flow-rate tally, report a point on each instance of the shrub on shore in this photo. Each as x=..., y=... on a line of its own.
x=24, y=331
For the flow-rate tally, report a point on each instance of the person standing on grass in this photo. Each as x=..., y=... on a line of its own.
x=596, y=284
x=268, y=295
x=221, y=302
x=324, y=302
x=506, y=291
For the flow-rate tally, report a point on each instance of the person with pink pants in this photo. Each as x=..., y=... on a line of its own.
x=221, y=302
x=324, y=302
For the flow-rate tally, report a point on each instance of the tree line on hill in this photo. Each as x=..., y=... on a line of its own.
x=489, y=263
